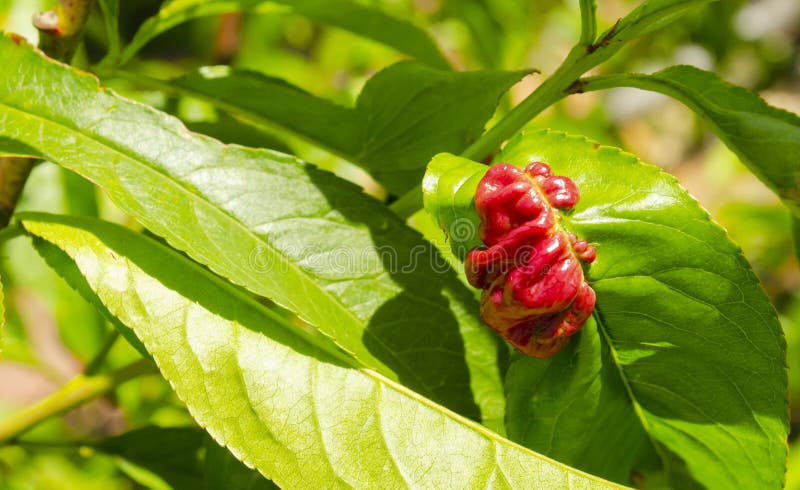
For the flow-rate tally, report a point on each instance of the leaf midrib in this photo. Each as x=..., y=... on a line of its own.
x=637, y=407
x=617, y=363
x=665, y=460
x=667, y=77
x=695, y=299
x=606, y=337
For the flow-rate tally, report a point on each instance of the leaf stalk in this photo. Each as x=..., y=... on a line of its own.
x=61, y=29
x=588, y=22
x=76, y=392
x=551, y=91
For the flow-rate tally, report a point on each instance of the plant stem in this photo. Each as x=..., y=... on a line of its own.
x=61, y=29
x=605, y=82
x=588, y=22
x=79, y=390
x=584, y=56
x=556, y=87
x=111, y=19
x=561, y=83
x=14, y=172
x=551, y=91
x=408, y=204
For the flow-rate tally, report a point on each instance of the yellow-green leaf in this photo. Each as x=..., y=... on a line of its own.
x=303, y=415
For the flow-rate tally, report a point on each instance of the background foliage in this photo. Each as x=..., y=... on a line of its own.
x=52, y=332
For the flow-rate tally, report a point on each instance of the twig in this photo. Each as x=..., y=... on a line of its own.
x=61, y=29
x=78, y=391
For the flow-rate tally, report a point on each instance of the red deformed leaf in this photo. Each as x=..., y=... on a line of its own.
x=534, y=291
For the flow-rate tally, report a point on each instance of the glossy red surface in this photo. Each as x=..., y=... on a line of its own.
x=534, y=291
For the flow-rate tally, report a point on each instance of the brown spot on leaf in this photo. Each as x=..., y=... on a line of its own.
x=17, y=39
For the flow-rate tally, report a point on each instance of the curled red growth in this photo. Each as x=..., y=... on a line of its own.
x=534, y=291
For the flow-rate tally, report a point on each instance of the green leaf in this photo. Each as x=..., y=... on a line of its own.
x=81, y=327
x=65, y=267
x=223, y=471
x=181, y=458
x=685, y=355
x=2, y=318
x=171, y=454
x=411, y=112
x=486, y=30
x=274, y=101
x=345, y=14
x=796, y=234
x=793, y=474
x=283, y=229
x=765, y=138
x=15, y=149
x=298, y=412
x=232, y=131
x=650, y=16
x=79, y=195
x=403, y=117
x=110, y=10
x=574, y=404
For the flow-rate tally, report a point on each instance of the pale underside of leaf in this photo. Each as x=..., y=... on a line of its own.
x=302, y=418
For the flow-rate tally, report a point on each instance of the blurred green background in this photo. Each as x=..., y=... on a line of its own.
x=51, y=332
